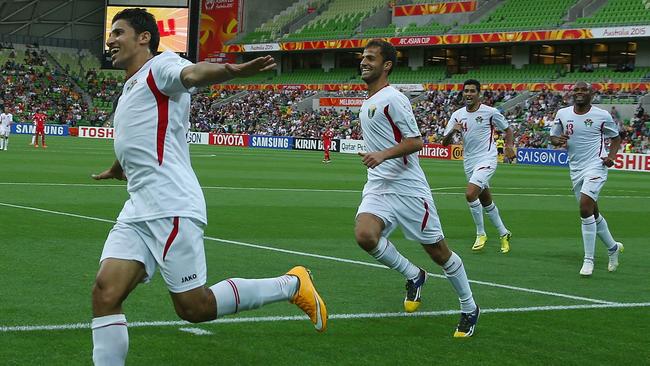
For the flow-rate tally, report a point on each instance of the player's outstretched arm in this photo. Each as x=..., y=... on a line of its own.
x=114, y=172
x=407, y=146
x=205, y=73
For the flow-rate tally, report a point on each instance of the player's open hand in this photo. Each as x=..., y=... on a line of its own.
x=252, y=67
x=510, y=152
x=109, y=174
x=608, y=162
x=372, y=160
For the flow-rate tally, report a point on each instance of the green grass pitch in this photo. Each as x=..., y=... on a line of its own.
x=270, y=210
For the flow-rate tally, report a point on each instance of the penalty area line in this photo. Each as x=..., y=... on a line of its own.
x=267, y=319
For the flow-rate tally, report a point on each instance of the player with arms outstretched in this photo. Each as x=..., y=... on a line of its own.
x=583, y=128
x=162, y=224
x=476, y=123
x=397, y=192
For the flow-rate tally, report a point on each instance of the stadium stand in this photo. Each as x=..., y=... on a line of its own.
x=338, y=21
x=521, y=15
x=618, y=12
x=508, y=74
x=272, y=29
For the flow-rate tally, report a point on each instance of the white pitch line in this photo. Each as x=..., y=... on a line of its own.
x=437, y=190
x=343, y=260
x=196, y=331
x=336, y=259
x=264, y=319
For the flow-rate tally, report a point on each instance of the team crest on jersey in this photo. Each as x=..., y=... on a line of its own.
x=131, y=84
x=371, y=111
x=479, y=120
x=589, y=122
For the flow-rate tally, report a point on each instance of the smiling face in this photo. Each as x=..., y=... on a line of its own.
x=373, y=65
x=471, y=96
x=581, y=94
x=124, y=44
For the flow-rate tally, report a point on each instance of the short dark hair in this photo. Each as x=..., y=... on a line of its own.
x=387, y=51
x=474, y=82
x=141, y=21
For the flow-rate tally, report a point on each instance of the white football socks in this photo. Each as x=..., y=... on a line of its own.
x=386, y=253
x=589, y=236
x=455, y=272
x=110, y=340
x=6, y=144
x=2, y=143
x=477, y=214
x=236, y=294
x=493, y=213
x=603, y=233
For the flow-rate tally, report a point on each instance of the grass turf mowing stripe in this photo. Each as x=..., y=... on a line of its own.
x=31, y=328
x=336, y=259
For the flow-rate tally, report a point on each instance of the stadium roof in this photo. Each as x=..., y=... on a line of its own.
x=64, y=19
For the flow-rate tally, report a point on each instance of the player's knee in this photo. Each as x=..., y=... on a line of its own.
x=470, y=195
x=192, y=313
x=366, y=238
x=106, y=296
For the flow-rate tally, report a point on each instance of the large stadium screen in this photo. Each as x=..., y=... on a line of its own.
x=172, y=24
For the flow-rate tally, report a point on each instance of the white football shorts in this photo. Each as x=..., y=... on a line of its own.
x=480, y=173
x=5, y=131
x=590, y=183
x=416, y=215
x=173, y=244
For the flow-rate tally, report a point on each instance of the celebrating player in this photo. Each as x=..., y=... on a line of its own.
x=476, y=123
x=6, y=120
x=397, y=192
x=582, y=128
x=162, y=223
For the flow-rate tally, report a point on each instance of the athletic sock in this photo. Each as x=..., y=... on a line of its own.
x=589, y=236
x=236, y=294
x=477, y=215
x=455, y=272
x=386, y=253
x=493, y=213
x=602, y=229
x=110, y=340
x=6, y=143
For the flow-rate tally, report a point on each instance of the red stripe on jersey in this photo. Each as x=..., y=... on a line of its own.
x=602, y=139
x=491, y=141
x=236, y=292
x=396, y=132
x=162, y=102
x=171, y=237
x=426, y=216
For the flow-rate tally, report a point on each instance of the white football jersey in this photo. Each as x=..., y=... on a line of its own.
x=477, y=132
x=6, y=119
x=587, y=133
x=386, y=118
x=151, y=121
